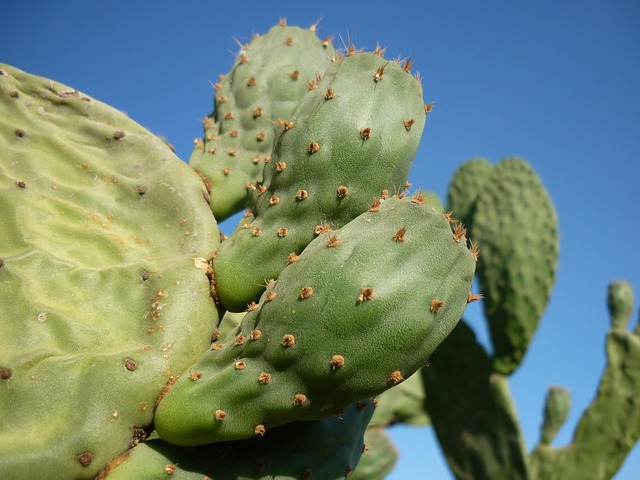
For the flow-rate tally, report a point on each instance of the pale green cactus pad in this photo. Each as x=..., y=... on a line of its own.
x=104, y=294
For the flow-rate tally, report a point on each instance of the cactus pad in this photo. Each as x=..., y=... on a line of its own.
x=348, y=140
x=327, y=449
x=100, y=298
x=361, y=309
x=516, y=226
x=268, y=78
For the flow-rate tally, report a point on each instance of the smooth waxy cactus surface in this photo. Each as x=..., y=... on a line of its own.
x=100, y=298
x=349, y=139
x=361, y=309
x=268, y=78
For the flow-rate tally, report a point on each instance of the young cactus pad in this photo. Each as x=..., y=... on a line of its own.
x=268, y=78
x=349, y=139
x=101, y=301
x=361, y=309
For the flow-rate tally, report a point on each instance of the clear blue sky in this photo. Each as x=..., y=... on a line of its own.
x=554, y=82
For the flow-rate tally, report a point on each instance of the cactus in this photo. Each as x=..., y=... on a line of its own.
x=515, y=222
x=284, y=363
x=367, y=114
x=99, y=227
x=556, y=410
x=137, y=345
x=482, y=438
x=268, y=78
x=620, y=303
x=328, y=448
x=379, y=455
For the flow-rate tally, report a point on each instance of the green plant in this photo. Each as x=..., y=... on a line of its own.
x=137, y=344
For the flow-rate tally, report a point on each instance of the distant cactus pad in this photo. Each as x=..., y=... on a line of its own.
x=101, y=301
x=516, y=227
x=620, y=300
x=358, y=311
x=465, y=187
x=327, y=449
x=349, y=141
x=268, y=78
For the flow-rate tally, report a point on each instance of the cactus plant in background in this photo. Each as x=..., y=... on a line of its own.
x=137, y=345
x=468, y=398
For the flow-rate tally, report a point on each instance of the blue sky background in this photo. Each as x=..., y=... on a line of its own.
x=557, y=83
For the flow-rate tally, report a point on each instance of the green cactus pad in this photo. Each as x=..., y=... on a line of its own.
x=352, y=137
x=556, y=411
x=360, y=309
x=515, y=226
x=609, y=428
x=268, y=78
x=467, y=183
x=404, y=403
x=620, y=302
x=379, y=456
x=472, y=412
x=327, y=449
x=101, y=300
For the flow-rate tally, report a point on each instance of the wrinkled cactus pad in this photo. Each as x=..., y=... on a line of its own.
x=358, y=311
x=101, y=300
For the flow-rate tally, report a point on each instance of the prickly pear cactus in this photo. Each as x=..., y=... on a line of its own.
x=349, y=139
x=287, y=361
x=516, y=225
x=556, y=411
x=378, y=458
x=468, y=181
x=472, y=411
x=328, y=449
x=610, y=426
x=620, y=304
x=268, y=78
x=101, y=301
